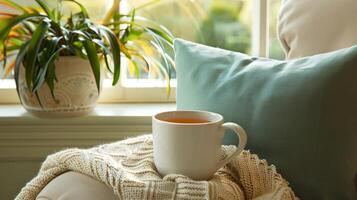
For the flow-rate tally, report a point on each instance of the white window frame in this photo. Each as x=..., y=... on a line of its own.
x=142, y=93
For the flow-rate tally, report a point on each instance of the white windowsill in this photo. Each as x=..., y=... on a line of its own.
x=25, y=137
x=111, y=113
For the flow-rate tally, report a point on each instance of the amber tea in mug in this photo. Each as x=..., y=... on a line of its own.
x=186, y=120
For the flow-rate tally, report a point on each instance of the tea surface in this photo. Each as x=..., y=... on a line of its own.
x=186, y=120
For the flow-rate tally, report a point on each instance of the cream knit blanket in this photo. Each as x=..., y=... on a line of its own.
x=127, y=167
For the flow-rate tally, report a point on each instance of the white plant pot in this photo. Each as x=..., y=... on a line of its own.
x=76, y=91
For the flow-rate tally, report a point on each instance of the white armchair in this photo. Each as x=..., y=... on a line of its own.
x=73, y=185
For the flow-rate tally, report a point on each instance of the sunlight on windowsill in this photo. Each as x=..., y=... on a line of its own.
x=122, y=110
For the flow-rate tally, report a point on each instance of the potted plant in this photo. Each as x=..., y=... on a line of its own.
x=59, y=65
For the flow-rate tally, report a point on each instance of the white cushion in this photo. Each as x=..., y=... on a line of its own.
x=308, y=27
x=76, y=186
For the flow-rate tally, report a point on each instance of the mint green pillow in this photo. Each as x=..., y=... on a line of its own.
x=300, y=115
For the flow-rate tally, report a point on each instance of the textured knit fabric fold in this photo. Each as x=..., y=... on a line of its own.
x=127, y=167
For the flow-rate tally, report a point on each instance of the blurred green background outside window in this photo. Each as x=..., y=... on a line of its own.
x=225, y=24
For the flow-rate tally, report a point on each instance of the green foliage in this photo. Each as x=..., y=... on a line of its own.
x=223, y=28
x=40, y=37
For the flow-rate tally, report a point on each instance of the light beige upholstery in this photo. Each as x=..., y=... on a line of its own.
x=76, y=186
x=309, y=27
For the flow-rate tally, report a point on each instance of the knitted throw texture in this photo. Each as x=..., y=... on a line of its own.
x=128, y=168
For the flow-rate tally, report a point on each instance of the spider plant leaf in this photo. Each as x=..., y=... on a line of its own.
x=53, y=43
x=4, y=54
x=35, y=43
x=32, y=10
x=57, y=15
x=46, y=9
x=107, y=63
x=116, y=17
x=124, y=50
x=28, y=26
x=12, y=48
x=163, y=72
x=131, y=34
x=83, y=9
x=93, y=58
x=131, y=68
x=43, y=71
x=142, y=58
x=10, y=45
x=15, y=42
x=105, y=53
x=81, y=33
x=159, y=46
x=151, y=28
x=70, y=23
x=38, y=99
x=12, y=4
x=145, y=22
x=17, y=32
x=132, y=15
x=53, y=14
x=79, y=50
x=94, y=32
x=80, y=22
x=50, y=79
x=45, y=58
x=171, y=61
x=115, y=48
x=7, y=24
x=19, y=60
x=50, y=76
x=159, y=67
x=4, y=15
x=161, y=34
x=136, y=69
x=125, y=36
x=56, y=28
x=101, y=44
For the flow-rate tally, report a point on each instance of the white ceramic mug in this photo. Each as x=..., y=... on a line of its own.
x=192, y=149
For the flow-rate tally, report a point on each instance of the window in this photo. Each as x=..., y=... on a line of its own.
x=275, y=50
x=247, y=26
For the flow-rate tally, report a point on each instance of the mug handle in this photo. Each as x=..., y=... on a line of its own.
x=242, y=142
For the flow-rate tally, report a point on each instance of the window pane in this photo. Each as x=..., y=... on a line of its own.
x=275, y=50
x=219, y=23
